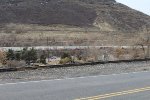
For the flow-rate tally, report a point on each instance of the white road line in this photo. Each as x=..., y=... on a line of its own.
x=73, y=78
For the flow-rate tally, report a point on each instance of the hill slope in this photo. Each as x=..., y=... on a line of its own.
x=108, y=15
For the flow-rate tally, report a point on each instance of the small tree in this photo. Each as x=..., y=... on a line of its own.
x=33, y=55
x=43, y=59
x=10, y=54
x=24, y=54
x=18, y=56
x=29, y=55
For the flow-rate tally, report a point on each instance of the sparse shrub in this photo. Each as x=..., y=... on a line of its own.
x=65, y=60
x=136, y=55
x=65, y=55
x=79, y=57
x=119, y=52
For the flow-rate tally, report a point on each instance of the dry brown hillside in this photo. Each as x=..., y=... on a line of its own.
x=100, y=13
x=69, y=22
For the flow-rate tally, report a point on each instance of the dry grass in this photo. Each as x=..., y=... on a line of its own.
x=35, y=35
x=3, y=57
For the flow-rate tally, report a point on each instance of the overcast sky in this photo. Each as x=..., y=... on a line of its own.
x=141, y=5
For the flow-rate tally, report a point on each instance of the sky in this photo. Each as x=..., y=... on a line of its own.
x=141, y=5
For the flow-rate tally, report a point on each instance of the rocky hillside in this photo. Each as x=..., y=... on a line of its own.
x=108, y=15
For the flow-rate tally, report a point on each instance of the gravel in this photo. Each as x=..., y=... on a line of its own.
x=70, y=72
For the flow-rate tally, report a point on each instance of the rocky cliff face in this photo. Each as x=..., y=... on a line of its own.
x=108, y=15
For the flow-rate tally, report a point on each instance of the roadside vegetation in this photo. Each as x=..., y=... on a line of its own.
x=32, y=57
x=66, y=58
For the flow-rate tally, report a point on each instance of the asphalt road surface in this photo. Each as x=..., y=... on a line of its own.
x=132, y=86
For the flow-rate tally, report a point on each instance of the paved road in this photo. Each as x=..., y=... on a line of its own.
x=133, y=86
